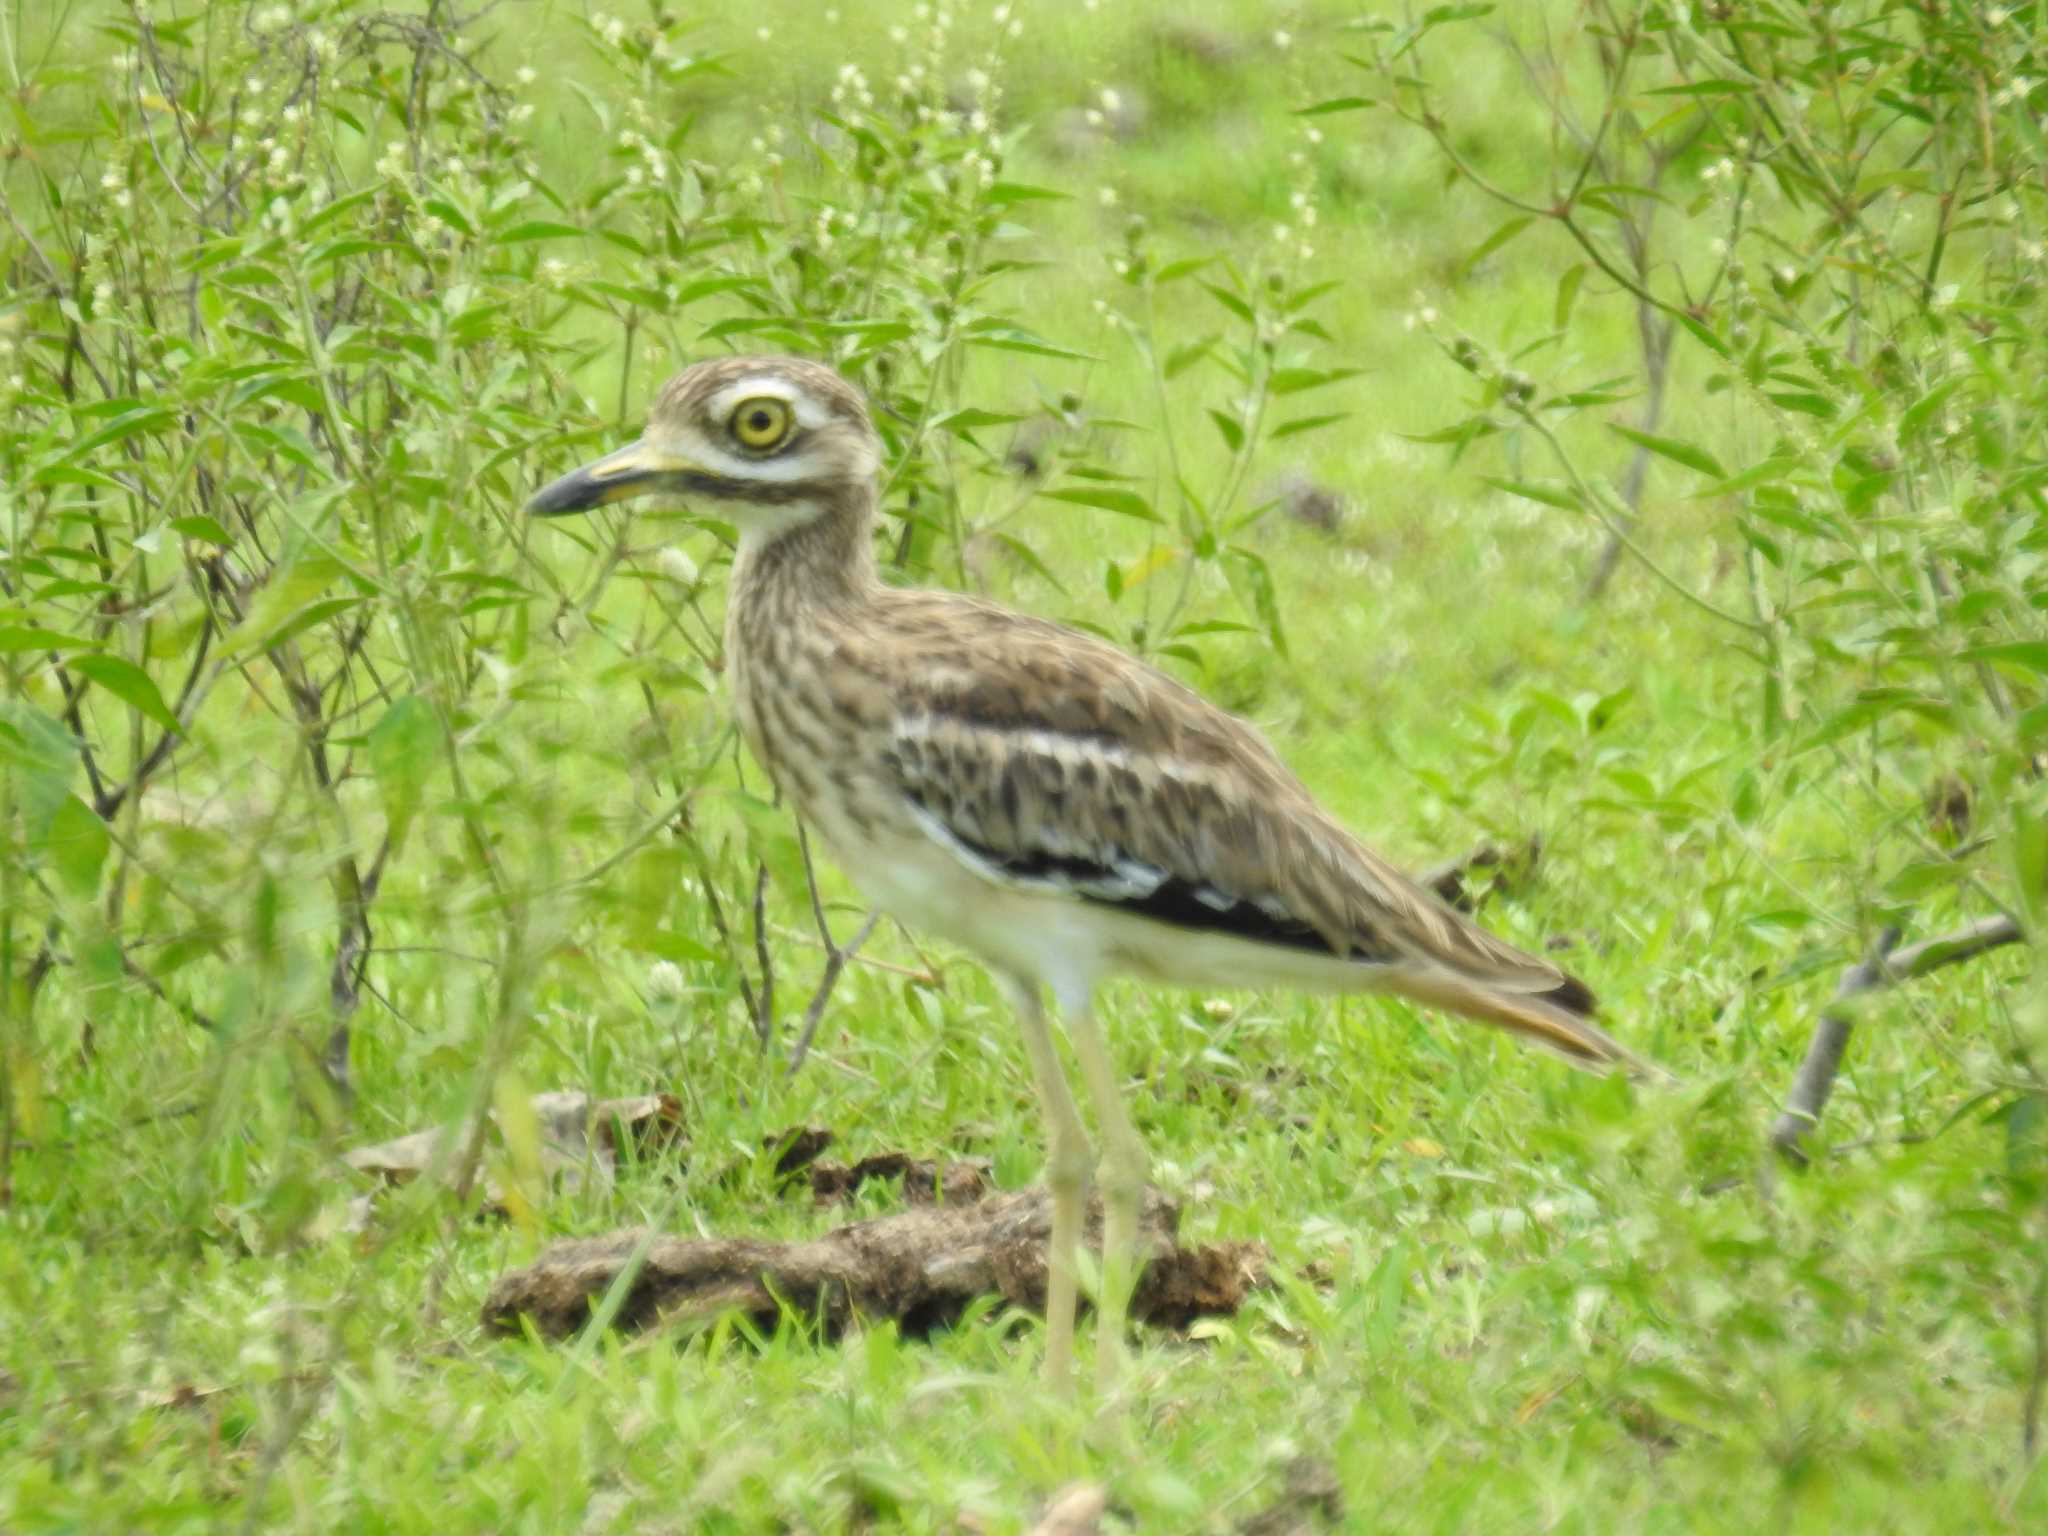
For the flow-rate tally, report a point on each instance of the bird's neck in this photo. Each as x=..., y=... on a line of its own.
x=802, y=563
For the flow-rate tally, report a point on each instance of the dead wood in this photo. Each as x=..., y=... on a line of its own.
x=1885, y=966
x=1076, y=1510
x=1459, y=883
x=579, y=1137
x=925, y=1180
x=1311, y=1501
x=921, y=1267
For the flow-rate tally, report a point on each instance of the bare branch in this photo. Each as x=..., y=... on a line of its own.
x=1884, y=967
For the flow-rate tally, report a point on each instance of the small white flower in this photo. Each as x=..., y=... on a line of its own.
x=764, y=34
x=678, y=567
x=1106, y=196
x=554, y=271
x=665, y=984
x=1283, y=40
x=102, y=295
x=525, y=74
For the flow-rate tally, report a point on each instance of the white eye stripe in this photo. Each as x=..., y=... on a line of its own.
x=809, y=413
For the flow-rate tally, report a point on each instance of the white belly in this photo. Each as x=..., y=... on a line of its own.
x=1056, y=940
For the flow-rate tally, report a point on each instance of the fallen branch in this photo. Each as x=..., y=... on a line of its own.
x=1885, y=966
x=923, y=1267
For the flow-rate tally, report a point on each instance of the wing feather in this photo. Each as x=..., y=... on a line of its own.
x=1047, y=758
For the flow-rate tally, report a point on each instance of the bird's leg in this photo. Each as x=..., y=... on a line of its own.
x=1066, y=1176
x=1124, y=1169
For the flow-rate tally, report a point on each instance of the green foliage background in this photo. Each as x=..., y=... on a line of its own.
x=318, y=755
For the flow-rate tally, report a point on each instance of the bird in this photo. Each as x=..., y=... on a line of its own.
x=1061, y=809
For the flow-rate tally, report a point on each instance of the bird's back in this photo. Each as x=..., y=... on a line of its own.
x=1046, y=760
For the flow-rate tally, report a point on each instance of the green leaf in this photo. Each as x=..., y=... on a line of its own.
x=1018, y=192
x=1258, y=578
x=1307, y=424
x=970, y=417
x=403, y=749
x=1230, y=301
x=1691, y=456
x=1567, y=295
x=1703, y=88
x=2030, y=654
x=282, y=604
x=450, y=215
x=1109, y=499
x=1233, y=434
x=198, y=525
x=76, y=845
x=130, y=684
x=1550, y=493
x=1292, y=381
x=41, y=756
x=17, y=637
x=1500, y=237
x=537, y=229
x=1768, y=472
x=665, y=945
x=1337, y=104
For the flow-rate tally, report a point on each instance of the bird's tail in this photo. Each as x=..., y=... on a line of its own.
x=1557, y=1018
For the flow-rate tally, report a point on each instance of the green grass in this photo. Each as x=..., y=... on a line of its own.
x=1545, y=1301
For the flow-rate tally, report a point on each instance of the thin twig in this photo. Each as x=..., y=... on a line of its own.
x=2037, y=1382
x=764, y=1012
x=1885, y=966
x=836, y=957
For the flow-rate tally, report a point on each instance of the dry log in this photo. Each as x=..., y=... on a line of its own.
x=922, y=1267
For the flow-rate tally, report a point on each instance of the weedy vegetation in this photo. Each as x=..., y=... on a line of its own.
x=1608, y=431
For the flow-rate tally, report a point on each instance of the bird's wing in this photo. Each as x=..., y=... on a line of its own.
x=1046, y=758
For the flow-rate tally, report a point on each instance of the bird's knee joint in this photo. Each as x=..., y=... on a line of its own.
x=1066, y=1170
x=1125, y=1180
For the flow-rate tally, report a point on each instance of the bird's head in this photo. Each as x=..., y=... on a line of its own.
x=778, y=439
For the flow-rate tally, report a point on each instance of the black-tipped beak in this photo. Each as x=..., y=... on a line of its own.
x=634, y=470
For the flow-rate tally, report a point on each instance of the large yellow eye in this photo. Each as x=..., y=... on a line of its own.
x=761, y=423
